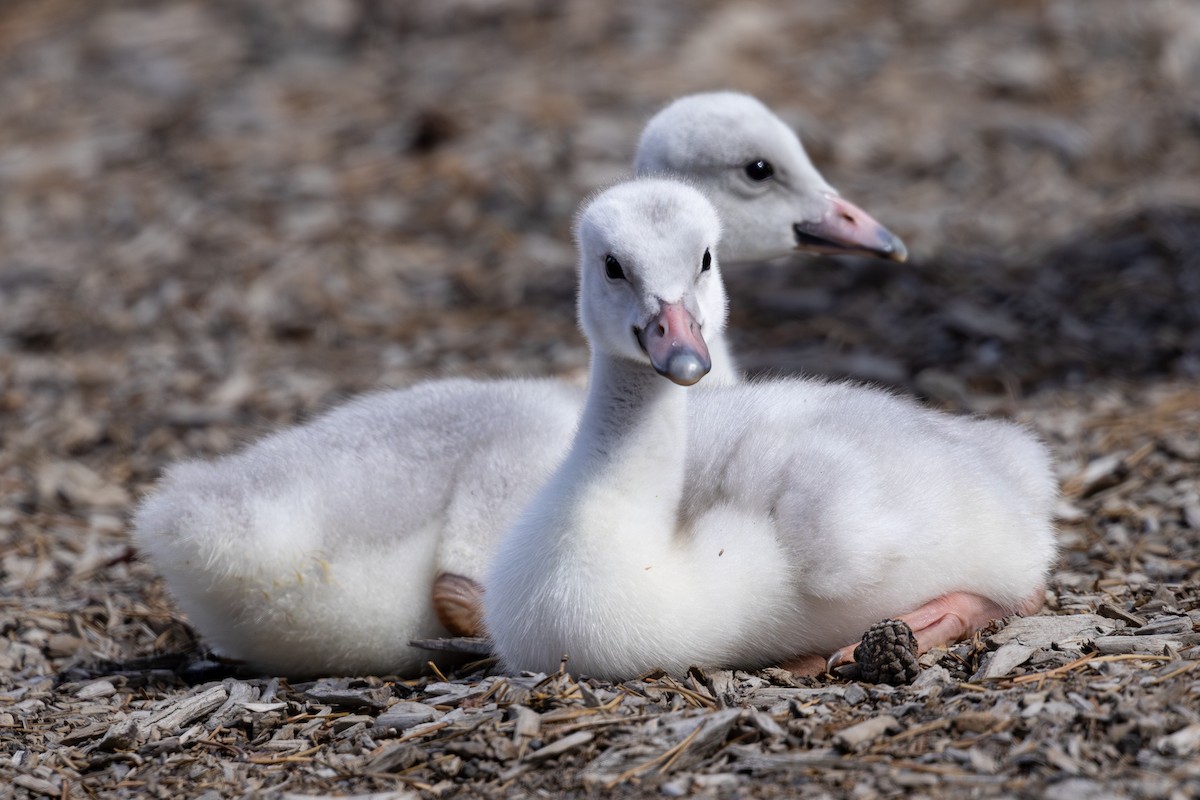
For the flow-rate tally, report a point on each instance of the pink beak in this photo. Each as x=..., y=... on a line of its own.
x=675, y=346
x=846, y=228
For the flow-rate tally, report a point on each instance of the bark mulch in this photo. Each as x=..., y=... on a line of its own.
x=218, y=218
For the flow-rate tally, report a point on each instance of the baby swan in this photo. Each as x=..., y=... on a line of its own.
x=747, y=525
x=772, y=201
x=755, y=171
x=326, y=547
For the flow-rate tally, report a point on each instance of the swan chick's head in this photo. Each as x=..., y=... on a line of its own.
x=650, y=287
x=756, y=172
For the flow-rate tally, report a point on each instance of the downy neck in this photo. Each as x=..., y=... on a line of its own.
x=630, y=448
x=724, y=370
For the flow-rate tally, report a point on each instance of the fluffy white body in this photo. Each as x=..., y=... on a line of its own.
x=314, y=551
x=745, y=525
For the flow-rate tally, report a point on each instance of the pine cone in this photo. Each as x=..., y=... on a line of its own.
x=888, y=653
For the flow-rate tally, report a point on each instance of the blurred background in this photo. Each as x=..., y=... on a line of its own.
x=219, y=217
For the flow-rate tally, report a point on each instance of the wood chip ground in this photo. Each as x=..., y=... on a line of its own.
x=219, y=218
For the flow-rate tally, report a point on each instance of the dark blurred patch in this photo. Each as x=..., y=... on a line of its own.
x=1120, y=301
x=190, y=668
x=432, y=129
x=1124, y=301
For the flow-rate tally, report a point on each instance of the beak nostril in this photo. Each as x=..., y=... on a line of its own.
x=662, y=329
x=849, y=219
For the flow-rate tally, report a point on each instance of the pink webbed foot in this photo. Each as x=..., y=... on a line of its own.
x=941, y=621
x=805, y=666
x=458, y=604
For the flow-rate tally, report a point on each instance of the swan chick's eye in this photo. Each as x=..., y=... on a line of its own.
x=612, y=268
x=760, y=170
x=706, y=263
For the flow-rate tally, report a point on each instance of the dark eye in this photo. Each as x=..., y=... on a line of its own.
x=706, y=264
x=612, y=268
x=759, y=170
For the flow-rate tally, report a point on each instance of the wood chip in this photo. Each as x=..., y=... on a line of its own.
x=1005, y=660
x=1046, y=631
x=976, y=721
x=767, y=724
x=240, y=697
x=564, y=745
x=1183, y=742
x=471, y=645
x=95, y=690
x=755, y=761
x=404, y=715
x=1110, y=645
x=1170, y=624
x=37, y=785
x=179, y=713
x=858, y=736
x=122, y=735
x=339, y=694
x=528, y=724
x=1101, y=473
x=1113, y=612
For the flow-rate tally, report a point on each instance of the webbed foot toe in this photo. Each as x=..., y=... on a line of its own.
x=458, y=604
